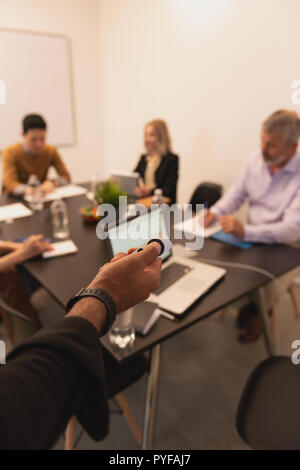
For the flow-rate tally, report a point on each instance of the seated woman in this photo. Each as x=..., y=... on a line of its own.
x=13, y=288
x=159, y=166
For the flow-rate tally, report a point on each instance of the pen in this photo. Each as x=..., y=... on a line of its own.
x=167, y=315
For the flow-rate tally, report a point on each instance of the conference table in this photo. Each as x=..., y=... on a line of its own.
x=62, y=277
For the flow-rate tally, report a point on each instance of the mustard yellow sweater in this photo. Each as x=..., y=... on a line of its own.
x=17, y=165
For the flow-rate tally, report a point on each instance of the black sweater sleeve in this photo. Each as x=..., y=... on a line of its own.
x=57, y=373
x=141, y=166
x=169, y=184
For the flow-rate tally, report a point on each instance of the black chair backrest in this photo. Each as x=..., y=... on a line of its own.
x=207, y=194
x=22, y=326
x=268, y=416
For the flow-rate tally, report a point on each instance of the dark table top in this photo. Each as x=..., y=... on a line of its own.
x=64, y=276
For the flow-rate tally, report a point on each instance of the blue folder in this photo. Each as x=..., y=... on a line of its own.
x=231, y=240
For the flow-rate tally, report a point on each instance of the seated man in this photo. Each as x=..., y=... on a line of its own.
x=270, y=180
x=32, y=157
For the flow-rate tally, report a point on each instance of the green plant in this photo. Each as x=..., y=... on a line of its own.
x=109, y=193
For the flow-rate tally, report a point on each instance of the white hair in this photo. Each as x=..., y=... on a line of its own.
x=287, y=122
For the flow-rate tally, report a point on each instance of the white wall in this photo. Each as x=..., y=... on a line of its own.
x=77, y=19
x=213, y=69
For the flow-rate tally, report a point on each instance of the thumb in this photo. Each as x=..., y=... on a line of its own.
x=149, y=253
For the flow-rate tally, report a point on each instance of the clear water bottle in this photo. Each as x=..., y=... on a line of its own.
x=158, y=197
x=60, y=220
x=93, y=185
x=35, y=194
x=122, y=333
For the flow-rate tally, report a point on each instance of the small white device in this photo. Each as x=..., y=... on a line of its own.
x=165, y=244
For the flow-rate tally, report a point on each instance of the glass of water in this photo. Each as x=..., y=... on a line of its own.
x=122, y=333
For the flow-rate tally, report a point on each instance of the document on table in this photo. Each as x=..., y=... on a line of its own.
x=61, y=248
x=192, y=226
x=65, y=191
x=62, y=192
x=14, y=211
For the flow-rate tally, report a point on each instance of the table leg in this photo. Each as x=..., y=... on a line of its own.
x=270, y=345
x=151, y=399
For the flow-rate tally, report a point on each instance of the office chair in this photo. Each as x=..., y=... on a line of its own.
x=118, y=378
x=207, y=194
x=268, y=415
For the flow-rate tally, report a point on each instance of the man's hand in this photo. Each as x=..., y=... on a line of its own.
x=47, y=187
x=209, y=218
x=231, y=225
x=34, y=246
x=130, y=279
x=142, y=191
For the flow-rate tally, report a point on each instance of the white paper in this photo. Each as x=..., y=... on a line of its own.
x=61, y=248
x=14, y=211
x=62, y=192
x=65, y=191
x=193, y=226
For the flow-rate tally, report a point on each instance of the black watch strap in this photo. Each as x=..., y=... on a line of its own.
x=101, y=295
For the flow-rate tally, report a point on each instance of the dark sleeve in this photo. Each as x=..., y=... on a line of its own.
x=140, y=168
x=56, y=374
x=169, y=184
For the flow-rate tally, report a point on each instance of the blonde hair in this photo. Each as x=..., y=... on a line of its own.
x=162, y=131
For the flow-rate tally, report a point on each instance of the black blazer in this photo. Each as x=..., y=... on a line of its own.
x=166, y=175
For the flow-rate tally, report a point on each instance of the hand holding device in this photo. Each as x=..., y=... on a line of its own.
x=130, y=278
x=165, y=244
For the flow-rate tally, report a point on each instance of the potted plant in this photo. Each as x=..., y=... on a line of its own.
x=107, y=192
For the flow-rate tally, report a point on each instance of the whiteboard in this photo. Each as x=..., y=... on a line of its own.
x=37, y=71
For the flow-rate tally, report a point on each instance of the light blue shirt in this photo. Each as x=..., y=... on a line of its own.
x=274, y=201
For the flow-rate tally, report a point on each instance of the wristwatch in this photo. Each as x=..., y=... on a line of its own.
x=101, y=295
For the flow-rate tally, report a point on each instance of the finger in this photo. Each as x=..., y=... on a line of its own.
x=154, y=268
x=38, y=237
x=118, y=256
x=49, y=247
x=34, y=238
x=44, y=246
x=154, y=271
x=131, y=250
x=224, y=225
x=149, y=253
x=103, y=266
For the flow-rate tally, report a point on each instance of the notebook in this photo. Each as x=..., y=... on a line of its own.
x=232, y=240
